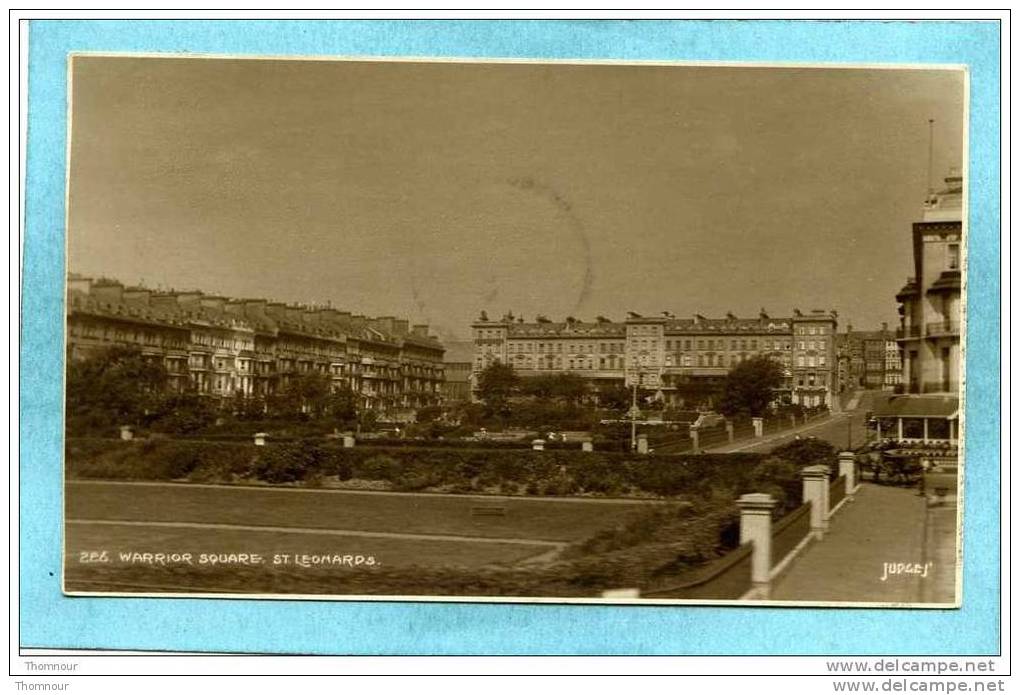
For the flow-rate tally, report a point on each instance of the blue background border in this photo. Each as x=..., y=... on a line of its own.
x=52, y=620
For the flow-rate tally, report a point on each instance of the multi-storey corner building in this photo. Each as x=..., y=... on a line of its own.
x=682, y=360
x=930, y=309
x=223, y=347
x=929, y=334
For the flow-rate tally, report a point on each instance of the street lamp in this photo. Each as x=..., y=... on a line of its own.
x=634, y=412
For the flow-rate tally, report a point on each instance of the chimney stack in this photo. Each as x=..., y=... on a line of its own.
x=186, y=298
x=137, y=296
x=163, y=300
x=255, y=308
x=213, y=302
x=79, y=284
x=383, y=324
x=277, y=310
x=109, y=291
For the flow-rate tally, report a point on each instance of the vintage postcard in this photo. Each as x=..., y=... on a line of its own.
x=515, y=330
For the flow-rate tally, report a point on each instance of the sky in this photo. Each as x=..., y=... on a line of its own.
x=433, y=191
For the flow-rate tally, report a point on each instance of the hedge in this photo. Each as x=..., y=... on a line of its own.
x=516, y=471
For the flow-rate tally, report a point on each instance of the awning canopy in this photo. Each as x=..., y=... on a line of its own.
x=921, y=406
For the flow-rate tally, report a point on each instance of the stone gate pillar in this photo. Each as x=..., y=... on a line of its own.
x=848, y=469
x=756, y=528
x=816, y=491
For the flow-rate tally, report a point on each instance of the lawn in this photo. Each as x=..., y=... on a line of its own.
x=433, y=530
x=550, y=519
x=274, y=545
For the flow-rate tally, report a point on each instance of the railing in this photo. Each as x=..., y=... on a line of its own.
x=789, y=532
x=939, y=328
x=729, y=577
x=906, y=332
x=837, y=491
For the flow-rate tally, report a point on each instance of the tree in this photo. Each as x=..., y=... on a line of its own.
x=184, y=413
x=305, y=397
x=750, y=387
x=565, y=387
x=496, y=383
x=118, y=385
x=616, y=398
x=429, y=413
x=342, y=405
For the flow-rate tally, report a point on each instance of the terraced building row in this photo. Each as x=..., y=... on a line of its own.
x=221, y=347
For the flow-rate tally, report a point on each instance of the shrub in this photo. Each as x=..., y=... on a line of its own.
x=287, y=463
x=379, y=467
x=556, y=472
x=808, y=452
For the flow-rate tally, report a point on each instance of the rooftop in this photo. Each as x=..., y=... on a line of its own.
x=256, y=315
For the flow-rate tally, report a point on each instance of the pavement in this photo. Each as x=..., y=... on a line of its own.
x=884, y=547
x=943, y=550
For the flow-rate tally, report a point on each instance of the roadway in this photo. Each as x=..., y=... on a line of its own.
x=839, y=429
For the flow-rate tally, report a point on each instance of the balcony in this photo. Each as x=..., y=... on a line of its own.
x=908, y=332
x=942, y=328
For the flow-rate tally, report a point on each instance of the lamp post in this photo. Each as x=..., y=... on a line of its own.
x=634, y=412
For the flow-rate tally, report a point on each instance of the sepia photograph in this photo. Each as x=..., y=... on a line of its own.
x=529, y=331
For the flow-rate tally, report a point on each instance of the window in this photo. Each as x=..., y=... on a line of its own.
x=821, y=360
x=754, y=344
x=953, y=257
x=701, y=344
x=733, y=345
x=800, y=360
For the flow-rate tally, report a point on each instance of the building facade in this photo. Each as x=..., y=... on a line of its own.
x=868, y=360
x=930, y=308
x=683, y=361
x=223, y=347
x=457, y=386
x=929, y=334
